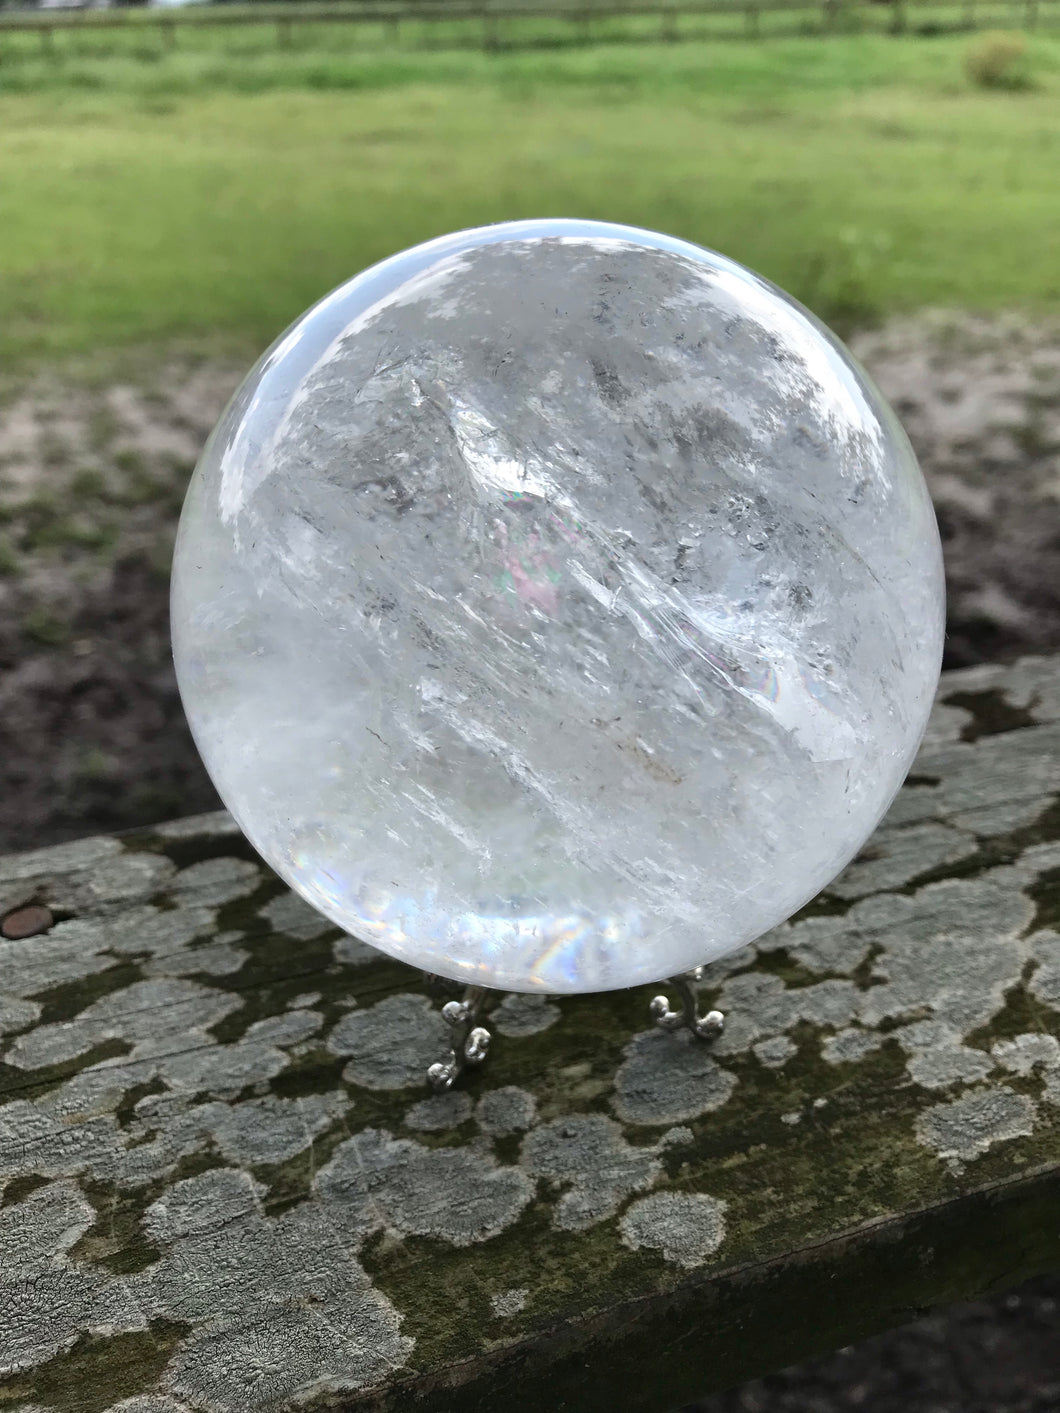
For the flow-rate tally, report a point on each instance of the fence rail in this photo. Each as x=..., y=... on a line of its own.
x=485, y=17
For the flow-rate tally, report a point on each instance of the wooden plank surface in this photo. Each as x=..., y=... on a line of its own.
x=224, y=1185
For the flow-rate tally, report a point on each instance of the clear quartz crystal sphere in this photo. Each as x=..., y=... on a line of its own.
x=557, y=606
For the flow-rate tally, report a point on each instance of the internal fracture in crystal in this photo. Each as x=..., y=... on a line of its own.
x=557, y=606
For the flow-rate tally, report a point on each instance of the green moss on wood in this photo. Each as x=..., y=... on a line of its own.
x=20, y=1188
x=992, y=713
x=116, y=1240
x=34, y=1084
x=98, y=1371
x=1046, y=895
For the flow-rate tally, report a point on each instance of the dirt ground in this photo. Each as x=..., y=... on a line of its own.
x=987, y=1356
x=92, y=736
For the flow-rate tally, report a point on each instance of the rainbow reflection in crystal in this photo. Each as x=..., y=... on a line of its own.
x=557, y=606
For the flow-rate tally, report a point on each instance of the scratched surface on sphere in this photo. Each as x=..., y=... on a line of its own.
x=557, y=613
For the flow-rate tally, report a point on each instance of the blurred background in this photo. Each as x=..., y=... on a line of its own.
x=177, y=183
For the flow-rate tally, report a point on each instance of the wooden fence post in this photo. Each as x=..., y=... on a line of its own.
x=834, y=15
x=489, y=31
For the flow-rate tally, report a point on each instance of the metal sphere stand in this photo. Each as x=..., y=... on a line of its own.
x=471, y=1040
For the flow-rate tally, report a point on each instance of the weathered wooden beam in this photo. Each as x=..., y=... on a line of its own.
x=226, y=1187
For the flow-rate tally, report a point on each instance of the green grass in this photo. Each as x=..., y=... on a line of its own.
x=208, y=196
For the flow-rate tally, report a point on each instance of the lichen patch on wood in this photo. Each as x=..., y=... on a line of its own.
x=685, y=1227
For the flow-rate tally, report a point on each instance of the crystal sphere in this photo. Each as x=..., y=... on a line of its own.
x=557, y=606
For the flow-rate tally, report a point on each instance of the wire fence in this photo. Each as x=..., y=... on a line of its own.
x=494, y=26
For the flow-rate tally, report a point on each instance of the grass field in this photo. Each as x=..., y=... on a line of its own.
x=206, y=196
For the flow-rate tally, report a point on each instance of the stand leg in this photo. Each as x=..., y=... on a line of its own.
x=471, y=1042
x=706, y=1027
